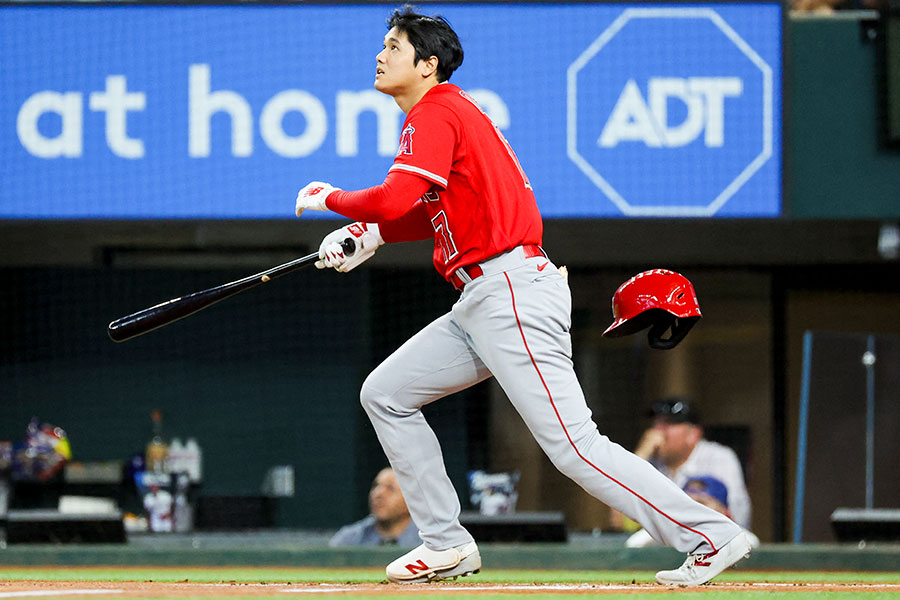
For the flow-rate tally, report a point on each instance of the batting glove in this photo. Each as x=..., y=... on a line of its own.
x=313, y=196
x=366, y=237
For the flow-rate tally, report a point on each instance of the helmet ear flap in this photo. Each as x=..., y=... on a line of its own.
x=679, y=328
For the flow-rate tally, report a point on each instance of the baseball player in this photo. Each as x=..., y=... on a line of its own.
x=455, y=179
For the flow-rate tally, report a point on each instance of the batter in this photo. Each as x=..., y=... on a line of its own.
x=455, y=179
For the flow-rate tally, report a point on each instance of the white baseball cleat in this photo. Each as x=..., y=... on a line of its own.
x=422, y=564
x=700, y=568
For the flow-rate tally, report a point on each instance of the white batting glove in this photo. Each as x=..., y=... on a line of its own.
x=366, y=237
x=313, y=196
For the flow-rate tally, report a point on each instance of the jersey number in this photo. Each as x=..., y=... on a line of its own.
x=444, y=237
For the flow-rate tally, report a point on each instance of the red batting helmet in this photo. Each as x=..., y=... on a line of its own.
x=658, y=299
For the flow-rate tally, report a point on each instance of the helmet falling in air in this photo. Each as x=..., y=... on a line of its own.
x=662, y=300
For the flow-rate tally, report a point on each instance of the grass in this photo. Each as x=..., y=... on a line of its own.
x=295, y=575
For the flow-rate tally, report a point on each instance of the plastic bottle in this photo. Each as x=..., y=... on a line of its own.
x=194, y=460
x=177, y=456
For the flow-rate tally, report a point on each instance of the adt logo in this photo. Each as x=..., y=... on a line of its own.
x=670, y=112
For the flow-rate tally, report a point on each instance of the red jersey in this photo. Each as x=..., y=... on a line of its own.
x=480, y=203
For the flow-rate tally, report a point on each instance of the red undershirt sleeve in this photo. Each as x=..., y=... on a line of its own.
x=413, y=226
x=386, y=202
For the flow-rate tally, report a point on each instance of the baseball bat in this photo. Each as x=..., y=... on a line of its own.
x=141, y=322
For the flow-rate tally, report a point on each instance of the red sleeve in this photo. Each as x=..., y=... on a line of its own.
x=414, y=225
x=386, y=202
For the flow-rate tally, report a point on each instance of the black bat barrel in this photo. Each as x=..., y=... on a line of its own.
x=172, y=310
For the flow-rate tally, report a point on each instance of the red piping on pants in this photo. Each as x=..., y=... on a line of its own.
x=566, y=431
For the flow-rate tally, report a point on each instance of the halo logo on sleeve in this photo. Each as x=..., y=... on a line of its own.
x=670, y=112
x=406, y=140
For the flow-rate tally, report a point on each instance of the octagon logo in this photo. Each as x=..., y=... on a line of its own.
x=669, y=112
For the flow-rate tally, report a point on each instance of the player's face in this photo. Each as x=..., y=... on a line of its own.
x=385, y=498
x=396, y=70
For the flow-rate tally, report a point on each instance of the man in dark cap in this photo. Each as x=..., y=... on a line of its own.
x=676, y=447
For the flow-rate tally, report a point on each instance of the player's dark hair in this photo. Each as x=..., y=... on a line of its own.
x=430, y=36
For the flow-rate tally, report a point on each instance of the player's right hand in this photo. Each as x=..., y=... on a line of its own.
x=366, y=237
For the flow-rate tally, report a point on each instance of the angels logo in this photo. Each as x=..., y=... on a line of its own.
x=406, y=140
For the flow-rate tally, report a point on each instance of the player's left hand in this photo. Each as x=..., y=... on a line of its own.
x=313, y=196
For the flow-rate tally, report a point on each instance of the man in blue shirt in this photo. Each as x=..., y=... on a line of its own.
x=388, y=522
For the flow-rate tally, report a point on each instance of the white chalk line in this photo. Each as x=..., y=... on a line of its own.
x=36, y=593
x=328, y=589
x=848, y=586
x=325, y=588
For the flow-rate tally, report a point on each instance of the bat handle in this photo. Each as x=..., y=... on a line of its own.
x=349, y=246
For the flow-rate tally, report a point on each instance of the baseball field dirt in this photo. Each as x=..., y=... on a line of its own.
x=247, y=582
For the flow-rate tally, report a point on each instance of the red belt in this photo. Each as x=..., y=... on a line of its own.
x=475, y=271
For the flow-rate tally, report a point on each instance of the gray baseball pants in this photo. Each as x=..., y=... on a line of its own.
x=513, y=323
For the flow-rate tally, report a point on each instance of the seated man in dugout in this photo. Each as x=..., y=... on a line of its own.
x=676, y=446
x=388, y=521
